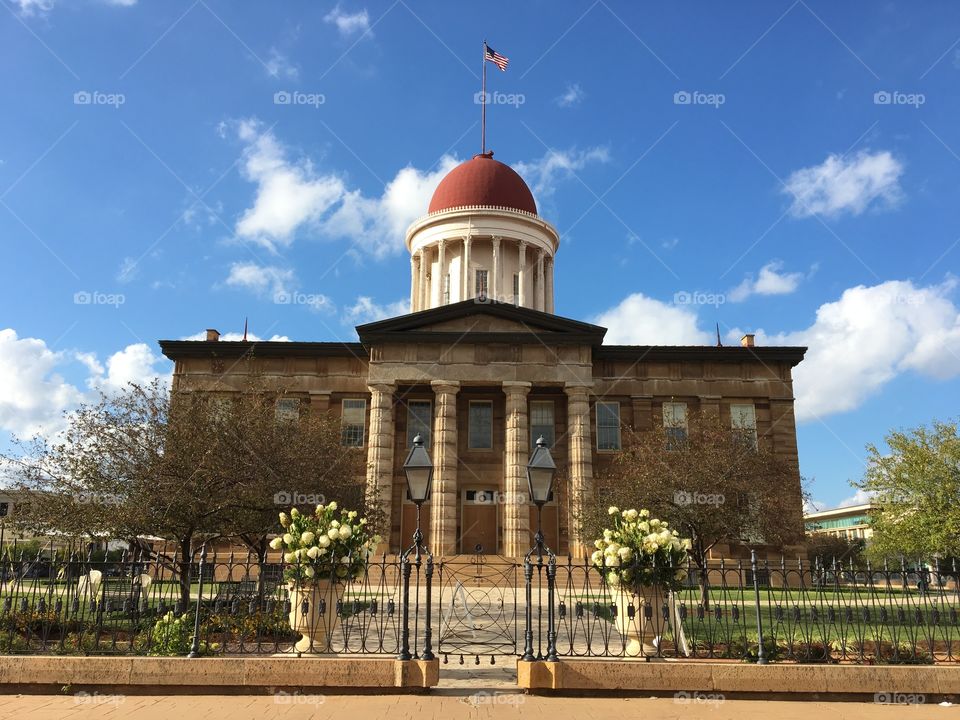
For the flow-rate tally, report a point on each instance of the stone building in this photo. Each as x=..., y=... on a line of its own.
x=482, y=367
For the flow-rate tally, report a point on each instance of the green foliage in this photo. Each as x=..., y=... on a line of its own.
x=173, y=636
x=916, y=487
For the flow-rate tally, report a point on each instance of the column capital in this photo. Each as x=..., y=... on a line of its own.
x=516, y=387
x=445, y=386
x=577, y=388
x=383, y=387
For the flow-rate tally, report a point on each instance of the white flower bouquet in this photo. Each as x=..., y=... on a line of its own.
x=639, y=551
x=329, y=544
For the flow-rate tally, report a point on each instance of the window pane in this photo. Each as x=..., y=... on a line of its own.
x=608, y=426
x=743, y=421
x=287, y=409
x=419, y=416
x=352, y=420
x=480, y=429
x=675, y=415
x=542, y=422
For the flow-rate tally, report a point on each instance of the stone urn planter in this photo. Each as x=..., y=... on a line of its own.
x=641, y=636
x=319, y=599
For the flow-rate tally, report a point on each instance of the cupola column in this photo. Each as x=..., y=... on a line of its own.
x=549, y=307
x=413, y=283
x=540, y=296
x=423, y=301
x=465, y=270
x=495, y=280
x=522, y=300
x=441, y=273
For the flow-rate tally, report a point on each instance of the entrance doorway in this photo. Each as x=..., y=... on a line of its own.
x=479, y=529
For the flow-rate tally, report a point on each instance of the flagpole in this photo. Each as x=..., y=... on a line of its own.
x=483, y=103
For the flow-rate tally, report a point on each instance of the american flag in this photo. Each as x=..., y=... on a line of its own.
x=499, y=60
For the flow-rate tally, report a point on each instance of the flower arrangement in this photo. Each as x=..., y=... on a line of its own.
x=640, y=551
x=328, y=544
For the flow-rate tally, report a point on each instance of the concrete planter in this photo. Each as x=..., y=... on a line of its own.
x=313, y=613
x=641, y=636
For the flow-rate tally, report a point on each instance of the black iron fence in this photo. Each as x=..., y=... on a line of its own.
x=474, y=608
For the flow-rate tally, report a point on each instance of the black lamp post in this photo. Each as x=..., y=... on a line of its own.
x=419, y=472
x=540, y=473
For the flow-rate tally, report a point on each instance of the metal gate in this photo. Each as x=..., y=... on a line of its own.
x=478, y=607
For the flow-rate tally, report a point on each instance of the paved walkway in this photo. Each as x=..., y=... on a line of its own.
x=447, y=704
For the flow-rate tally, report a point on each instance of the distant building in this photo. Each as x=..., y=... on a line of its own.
x=849, y=523
x=482, y=367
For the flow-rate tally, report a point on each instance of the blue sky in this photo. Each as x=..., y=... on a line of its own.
x=784, y=168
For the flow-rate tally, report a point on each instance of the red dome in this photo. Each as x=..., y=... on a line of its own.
x=483, y=181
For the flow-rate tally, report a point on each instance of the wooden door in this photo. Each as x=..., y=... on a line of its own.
x=478, y=522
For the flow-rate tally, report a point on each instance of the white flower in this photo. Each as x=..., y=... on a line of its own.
x=333, y=533
x=313, y=553
x=321, y=551
x=324, y=541
x=626, y=554
x=687, y=544
x=284, y=520
x=308, y=571
x=294, y=513
x=613, y=580
x=307, y=538
x=332, y=506
x=352, y=514
x=612, y=561
x=345, y=532
x=632, y=515
x=288, y=538
x=289, y=557
x=644, y=513
x=597, y=558
x=276, y=543
x=644, y=527
x=335, y=523
x=363, y=521
x=613, y=510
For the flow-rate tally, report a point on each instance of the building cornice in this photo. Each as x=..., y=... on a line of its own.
x=181, y=349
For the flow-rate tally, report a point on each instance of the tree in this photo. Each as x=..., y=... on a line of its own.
x=188, y=467
x=710, y=483
x=916, y=492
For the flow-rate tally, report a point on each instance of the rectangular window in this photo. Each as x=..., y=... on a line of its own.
x=287, y=409
x=4, y=509
x=481, y=284
x=541, y=422
x=419, y=421
x=516, y=288
x=675, y=423
x=743, y=422
x=353, y=419
x=480, y=429
x=608, y=426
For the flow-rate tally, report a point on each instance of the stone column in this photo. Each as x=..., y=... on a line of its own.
x=581, y=462
x=522, y=302
x=495, y=289
x=541, y=295
x=549, y=289
x=380, y=455
x=465, y=270
x=441, y=272
x=413, y=283
x=443, y=500
x=516, y=520
x=422, y=283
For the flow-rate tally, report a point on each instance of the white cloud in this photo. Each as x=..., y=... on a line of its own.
x=840, y=184
x=365, y=310
x=770, y=281
x=280, y=66
x=349, y=23
x=640, y=320
x=292, y=195
x=29, y=8
x=543, y=174
x=860, y=497
x=869, y=336
x=237, y=336
x=260, y=279
x=573, y=95
x=134, y=364
x=33, y=395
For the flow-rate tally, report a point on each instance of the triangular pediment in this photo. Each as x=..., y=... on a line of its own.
x=499, y=322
